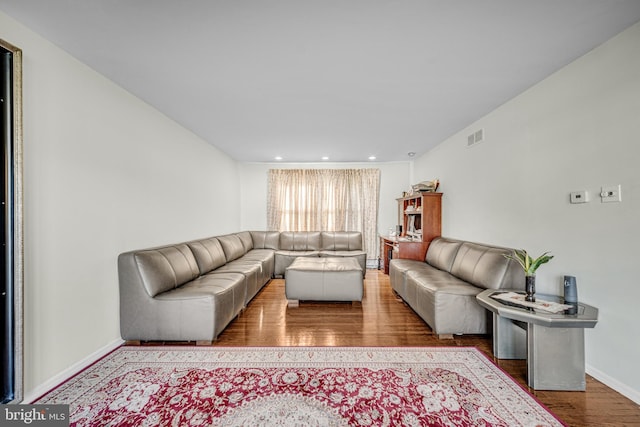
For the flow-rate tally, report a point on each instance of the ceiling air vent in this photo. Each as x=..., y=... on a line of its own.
x=475, y=138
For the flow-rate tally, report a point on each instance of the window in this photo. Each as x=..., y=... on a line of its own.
x=325, y=200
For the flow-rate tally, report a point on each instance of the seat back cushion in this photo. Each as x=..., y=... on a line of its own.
x=208, y=254
x=442, y=252
x=266, y=239
x=300, y=240
x=166, y=268
x=483, y=266
x=247, y=241
x=341, y=241
x=232, y=246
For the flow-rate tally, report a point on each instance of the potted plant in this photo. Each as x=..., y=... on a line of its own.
x=529, y=266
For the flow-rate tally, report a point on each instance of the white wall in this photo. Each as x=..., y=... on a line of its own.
x=577, y=130
x=394, y=179
x=103, y=173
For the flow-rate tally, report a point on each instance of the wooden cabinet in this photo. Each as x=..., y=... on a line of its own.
x=387, y=247
x=420, y=216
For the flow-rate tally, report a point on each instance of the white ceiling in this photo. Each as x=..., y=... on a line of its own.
x=339, y=78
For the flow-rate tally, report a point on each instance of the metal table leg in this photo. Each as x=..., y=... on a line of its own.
x=509, y=338
x=555, y=358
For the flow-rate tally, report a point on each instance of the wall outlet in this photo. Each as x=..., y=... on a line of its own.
x=611, y=193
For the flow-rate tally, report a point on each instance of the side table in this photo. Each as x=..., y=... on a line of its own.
x=552, y=343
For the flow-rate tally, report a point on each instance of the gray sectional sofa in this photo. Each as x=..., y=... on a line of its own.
x=442, y=289
x=294, y=244
x=191, y=291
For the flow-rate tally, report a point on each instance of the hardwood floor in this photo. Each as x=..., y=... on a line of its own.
x=384, y=320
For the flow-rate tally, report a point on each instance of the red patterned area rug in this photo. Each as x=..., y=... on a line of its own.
x=297, y=386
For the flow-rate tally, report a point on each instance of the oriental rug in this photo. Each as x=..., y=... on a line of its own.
x=297, y=386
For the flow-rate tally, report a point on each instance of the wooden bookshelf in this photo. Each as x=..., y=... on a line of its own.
x=421, y=218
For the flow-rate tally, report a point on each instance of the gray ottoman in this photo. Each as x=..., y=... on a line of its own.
x=323, y=279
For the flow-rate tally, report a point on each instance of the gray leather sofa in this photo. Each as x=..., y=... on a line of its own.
x=191, y=291
x=442, y=289
x=294, y=244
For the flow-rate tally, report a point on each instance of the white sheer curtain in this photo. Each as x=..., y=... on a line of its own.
x=325, y=200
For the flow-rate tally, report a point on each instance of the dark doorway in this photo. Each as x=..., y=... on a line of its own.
x=6, y=285
x=10, y=227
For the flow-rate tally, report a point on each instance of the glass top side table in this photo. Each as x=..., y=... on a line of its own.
x=552, y=343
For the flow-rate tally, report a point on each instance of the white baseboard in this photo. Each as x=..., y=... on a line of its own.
x=70, y=372
x=621, y=388
x=372, y=264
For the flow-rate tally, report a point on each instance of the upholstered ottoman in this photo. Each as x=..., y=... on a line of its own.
x=323, y=279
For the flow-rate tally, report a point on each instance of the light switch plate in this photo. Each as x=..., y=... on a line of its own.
x=611, y=193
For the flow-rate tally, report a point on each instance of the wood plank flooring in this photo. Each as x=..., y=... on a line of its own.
x=385, y=320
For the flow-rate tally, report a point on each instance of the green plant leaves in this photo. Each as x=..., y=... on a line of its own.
x=528, y=264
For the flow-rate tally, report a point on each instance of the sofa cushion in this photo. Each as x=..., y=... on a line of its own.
x=252, y=271
x=246, y=239
x=166, y=268
x=442, y=252
x=446, y=303
x=266, y=257
x=208, y=254
x=265, y=239
x=300, y=240
x=232, y=246
x=398, y=268
x=341, y=241
x=480, y=265
x=210, y=302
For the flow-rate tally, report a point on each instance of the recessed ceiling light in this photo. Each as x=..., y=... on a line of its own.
x=278, y=157
x=372, y=157
x=411, y=154
x=325, y=157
